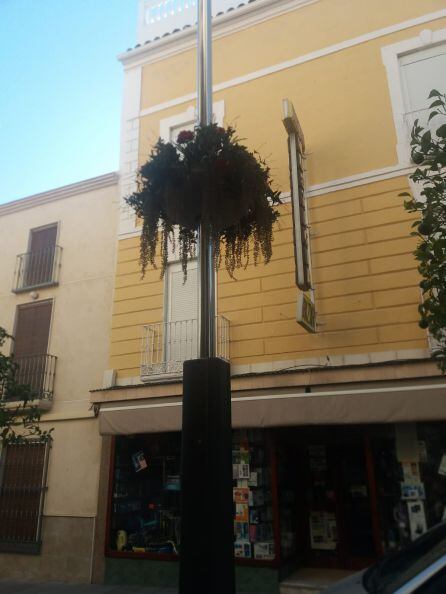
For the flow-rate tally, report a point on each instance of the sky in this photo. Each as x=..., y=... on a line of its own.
x=60, y=91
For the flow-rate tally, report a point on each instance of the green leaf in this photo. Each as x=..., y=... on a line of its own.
x=417, y=157
x=432, y=115
x=437, y=103
x=405, y=194
x=441, y=131
x=434, y=93
x=426, y=140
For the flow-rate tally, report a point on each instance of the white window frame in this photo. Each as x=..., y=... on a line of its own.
x=391, y=55
x=189, y=116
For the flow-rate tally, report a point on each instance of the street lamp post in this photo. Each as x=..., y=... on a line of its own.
x=206, y=268
x=207, y=535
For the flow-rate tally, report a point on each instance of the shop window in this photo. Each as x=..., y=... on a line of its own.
x=145, y=498
x=23, y=469
x=145, y=512
x=253, y=497
x=410, y=466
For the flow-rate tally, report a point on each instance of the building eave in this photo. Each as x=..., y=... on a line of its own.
x=223, y=24
x=82, y=187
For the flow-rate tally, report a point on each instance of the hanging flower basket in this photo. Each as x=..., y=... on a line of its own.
x=205, y=178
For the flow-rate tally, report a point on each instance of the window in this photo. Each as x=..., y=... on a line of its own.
x=145, y=499
x=31, y=336
x=145, y=513
x=39, y=265
x=181, y=314
x=414, y=67
x=23, y=469
x=421, y=72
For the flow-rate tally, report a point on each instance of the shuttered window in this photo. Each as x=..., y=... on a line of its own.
x=40, y=258
x=31, y=337
x=32, y=328
x=181, y=312
x=23, y=469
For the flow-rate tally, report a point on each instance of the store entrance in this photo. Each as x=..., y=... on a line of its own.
x=334, y=495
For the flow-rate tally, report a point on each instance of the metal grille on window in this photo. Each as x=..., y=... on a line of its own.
x=23, y=470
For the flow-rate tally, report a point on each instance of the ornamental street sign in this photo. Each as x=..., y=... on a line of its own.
x=306, y=312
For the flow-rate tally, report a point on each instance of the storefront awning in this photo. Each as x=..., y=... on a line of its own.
x=278, y=409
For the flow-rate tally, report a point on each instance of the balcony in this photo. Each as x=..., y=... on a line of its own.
x=37, y=269
x=36, y=371
x=166, y=345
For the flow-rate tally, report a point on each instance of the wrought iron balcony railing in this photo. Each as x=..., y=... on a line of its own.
x=166, y=345
x=36, y=371
x=37, y=269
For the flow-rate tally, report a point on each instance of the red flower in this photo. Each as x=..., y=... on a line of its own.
x=221, y=131
x=185, y=136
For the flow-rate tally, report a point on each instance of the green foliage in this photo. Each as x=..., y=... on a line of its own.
x=205, y=178
x=19, y=420
x=428, y=151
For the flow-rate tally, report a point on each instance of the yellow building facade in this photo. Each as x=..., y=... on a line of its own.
x=357, y=74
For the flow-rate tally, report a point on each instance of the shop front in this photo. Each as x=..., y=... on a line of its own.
x=328, y=496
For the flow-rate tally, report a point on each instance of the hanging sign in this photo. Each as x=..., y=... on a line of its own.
x=296, y=156
x=306, y=312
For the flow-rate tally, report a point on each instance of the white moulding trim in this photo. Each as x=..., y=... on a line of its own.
x=331, y=49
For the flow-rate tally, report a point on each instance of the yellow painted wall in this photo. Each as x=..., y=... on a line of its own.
x=365, y=281
x=342, y=101
x=294, y=34
x=365, y=275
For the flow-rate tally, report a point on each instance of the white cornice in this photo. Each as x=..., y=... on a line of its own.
x=222, y=25
x=320, y=53
x=82, y=187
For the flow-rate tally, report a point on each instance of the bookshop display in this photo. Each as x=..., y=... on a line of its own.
x=411, y=477
x=145, y=506
x=145, y=514
x=325, y=496
x=253, y=521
